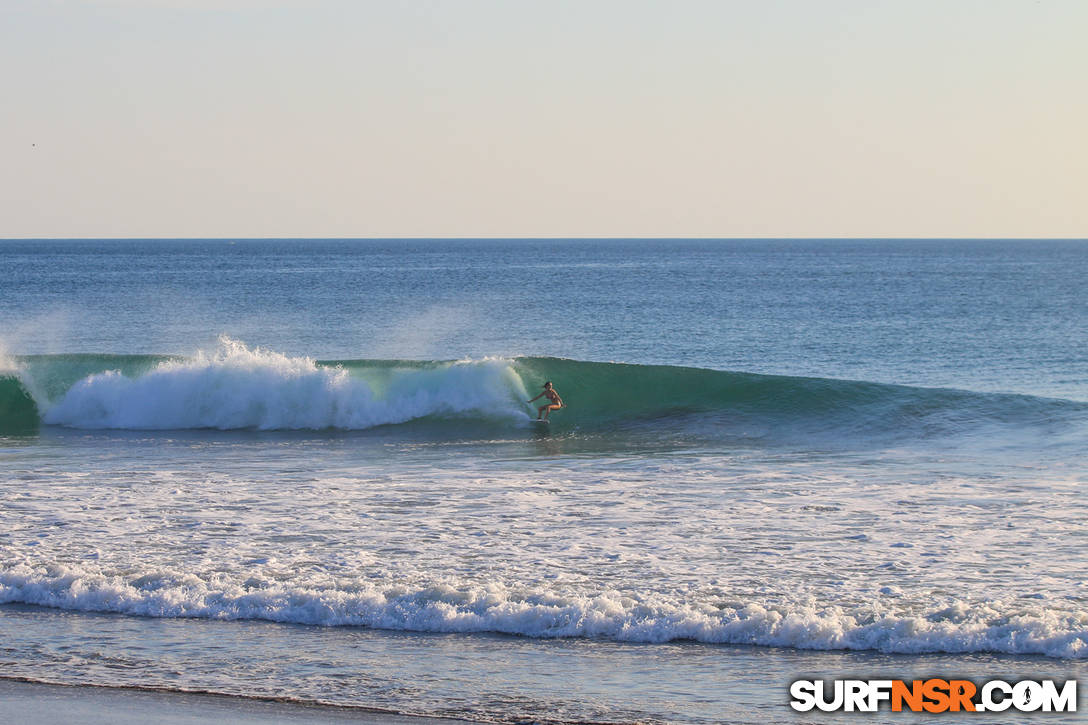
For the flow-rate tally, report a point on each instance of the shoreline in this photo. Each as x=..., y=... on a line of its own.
x=27, y=700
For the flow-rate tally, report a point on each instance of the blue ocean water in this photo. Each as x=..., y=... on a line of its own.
x=778, y=457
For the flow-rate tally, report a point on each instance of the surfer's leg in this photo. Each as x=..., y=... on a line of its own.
x=540, y=412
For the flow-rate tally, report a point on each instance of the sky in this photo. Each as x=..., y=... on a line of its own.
x=565, y=118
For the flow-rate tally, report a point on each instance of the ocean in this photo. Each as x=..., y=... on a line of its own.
x=307, y=469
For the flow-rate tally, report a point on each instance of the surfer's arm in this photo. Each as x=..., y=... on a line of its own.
x=536, y=398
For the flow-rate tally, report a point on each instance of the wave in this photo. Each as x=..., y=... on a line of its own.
x=237, y=387
x=991, y=626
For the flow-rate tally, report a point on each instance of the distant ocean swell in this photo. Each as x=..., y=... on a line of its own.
x=237, y=387
x=994, y=626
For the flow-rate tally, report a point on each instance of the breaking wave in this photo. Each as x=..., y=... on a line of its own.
x=237, y=387
x=990, y=626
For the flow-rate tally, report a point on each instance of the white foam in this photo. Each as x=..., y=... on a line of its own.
x=235, y=386
x=443, y=607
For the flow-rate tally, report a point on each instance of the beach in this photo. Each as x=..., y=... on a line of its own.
x=31, y=702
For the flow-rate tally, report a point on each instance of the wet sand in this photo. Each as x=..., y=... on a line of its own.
x=32, y=703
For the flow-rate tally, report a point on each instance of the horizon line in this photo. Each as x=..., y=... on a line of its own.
x=544, y=238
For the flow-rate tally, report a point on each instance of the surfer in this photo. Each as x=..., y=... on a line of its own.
x=555, y=404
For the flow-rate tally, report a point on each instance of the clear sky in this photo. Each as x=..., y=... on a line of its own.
x=406, y=118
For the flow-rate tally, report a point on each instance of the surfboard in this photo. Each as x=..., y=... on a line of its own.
x=535, y=420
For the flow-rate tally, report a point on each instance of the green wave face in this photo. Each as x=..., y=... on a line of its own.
x=238, y=387
x=18, y=411
x=602, y=393
x=53, y=375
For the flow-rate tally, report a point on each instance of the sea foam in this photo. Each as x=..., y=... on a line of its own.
x=651, y=617
x=235, y=386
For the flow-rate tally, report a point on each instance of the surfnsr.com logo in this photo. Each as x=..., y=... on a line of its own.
x=934, y=695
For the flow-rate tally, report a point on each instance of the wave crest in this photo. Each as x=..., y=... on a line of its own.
x=235, y=386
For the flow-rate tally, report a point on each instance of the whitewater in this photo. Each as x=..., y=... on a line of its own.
x=234, y=387
x=348, y=502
